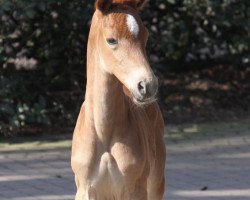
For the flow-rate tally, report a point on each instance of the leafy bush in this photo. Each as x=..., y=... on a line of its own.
x=43, y=48
x=199, y=32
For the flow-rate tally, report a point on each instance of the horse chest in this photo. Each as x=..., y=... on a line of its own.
x=112, y=169
x=122, y=162
x=119, y=168
x=115, y=173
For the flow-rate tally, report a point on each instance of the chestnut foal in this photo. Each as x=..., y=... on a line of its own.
x=118, y=151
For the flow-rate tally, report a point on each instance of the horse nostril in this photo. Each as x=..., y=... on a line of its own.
x=142, y=88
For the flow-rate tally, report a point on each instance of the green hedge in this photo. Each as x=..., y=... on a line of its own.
x=185, y=33
x=43, y=49
x=42, y=59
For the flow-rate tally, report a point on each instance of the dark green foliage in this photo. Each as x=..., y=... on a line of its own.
x=43, y=50
x=42, y=56
x=188, y=32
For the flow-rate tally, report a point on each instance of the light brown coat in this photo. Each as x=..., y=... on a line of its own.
x=118, y=151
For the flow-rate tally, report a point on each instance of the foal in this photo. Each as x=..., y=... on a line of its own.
x=118, y=151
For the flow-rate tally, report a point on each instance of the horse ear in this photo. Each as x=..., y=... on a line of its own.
x=103, y=5
x=140, y=4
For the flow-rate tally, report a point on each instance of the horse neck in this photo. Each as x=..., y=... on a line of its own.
x=105, y=102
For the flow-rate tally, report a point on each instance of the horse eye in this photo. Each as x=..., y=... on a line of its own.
x=112, y=41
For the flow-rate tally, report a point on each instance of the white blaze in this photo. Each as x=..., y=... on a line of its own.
x=132, y=25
